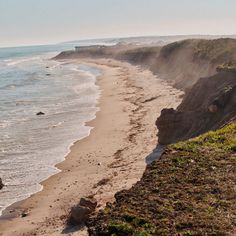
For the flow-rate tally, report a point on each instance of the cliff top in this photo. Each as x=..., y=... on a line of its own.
x=204, y=49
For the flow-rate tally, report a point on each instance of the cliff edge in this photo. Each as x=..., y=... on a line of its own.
x=210, y=104
x=189, y=191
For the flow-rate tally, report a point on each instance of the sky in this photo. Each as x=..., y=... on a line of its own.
x=31, y=22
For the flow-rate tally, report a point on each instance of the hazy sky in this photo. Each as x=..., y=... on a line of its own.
x=25, y=22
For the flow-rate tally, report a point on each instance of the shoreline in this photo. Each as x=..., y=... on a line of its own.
x=14, y=210
x=11, y=211
x=111, y=152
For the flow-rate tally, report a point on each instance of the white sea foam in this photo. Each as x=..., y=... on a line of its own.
x=22, y=60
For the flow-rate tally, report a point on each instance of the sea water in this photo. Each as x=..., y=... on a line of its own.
x=31, y=145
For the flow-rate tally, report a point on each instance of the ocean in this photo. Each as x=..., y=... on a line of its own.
x=31, y=145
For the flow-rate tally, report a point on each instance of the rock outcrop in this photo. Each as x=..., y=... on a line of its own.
x=210, y=104
x=40, y=113
x=80, y=213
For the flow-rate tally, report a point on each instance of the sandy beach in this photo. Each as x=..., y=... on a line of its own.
x=113, y=157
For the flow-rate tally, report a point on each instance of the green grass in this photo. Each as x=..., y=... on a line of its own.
x=222, y=140
x=120, y=228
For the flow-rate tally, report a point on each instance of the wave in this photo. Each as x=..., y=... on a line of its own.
x=22, y=60
x=32, y=145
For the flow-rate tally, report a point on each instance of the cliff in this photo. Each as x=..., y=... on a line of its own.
x=186, y=61
x=189, y=191
x=210, y=104
x=135, y=54
x=182, y=62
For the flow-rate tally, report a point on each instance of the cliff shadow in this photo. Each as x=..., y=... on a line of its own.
x=72, y=228
x=155, y=155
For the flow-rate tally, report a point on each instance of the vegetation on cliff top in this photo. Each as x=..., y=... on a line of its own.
x=210, y=50
x=189, y=191
x=230, y=66
x=213, y=50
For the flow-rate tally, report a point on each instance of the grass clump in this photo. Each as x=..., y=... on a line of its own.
x=134, y=227
x=230, y=66
x=120, y=228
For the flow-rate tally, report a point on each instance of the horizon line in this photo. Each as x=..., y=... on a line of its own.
x=110, y=38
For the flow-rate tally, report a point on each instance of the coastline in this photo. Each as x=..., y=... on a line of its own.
x=123, y=136
x=61, y=147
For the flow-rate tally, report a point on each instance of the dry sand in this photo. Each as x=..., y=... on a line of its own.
x=116, y=151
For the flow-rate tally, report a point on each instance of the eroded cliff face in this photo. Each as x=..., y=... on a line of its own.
x=182, y=63
x=186, y=61
x=210, y=104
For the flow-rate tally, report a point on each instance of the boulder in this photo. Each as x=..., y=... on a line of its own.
x=24, y=214
x=1, y=184
x=80, y=213
x=40, y=113
x=88, y=202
